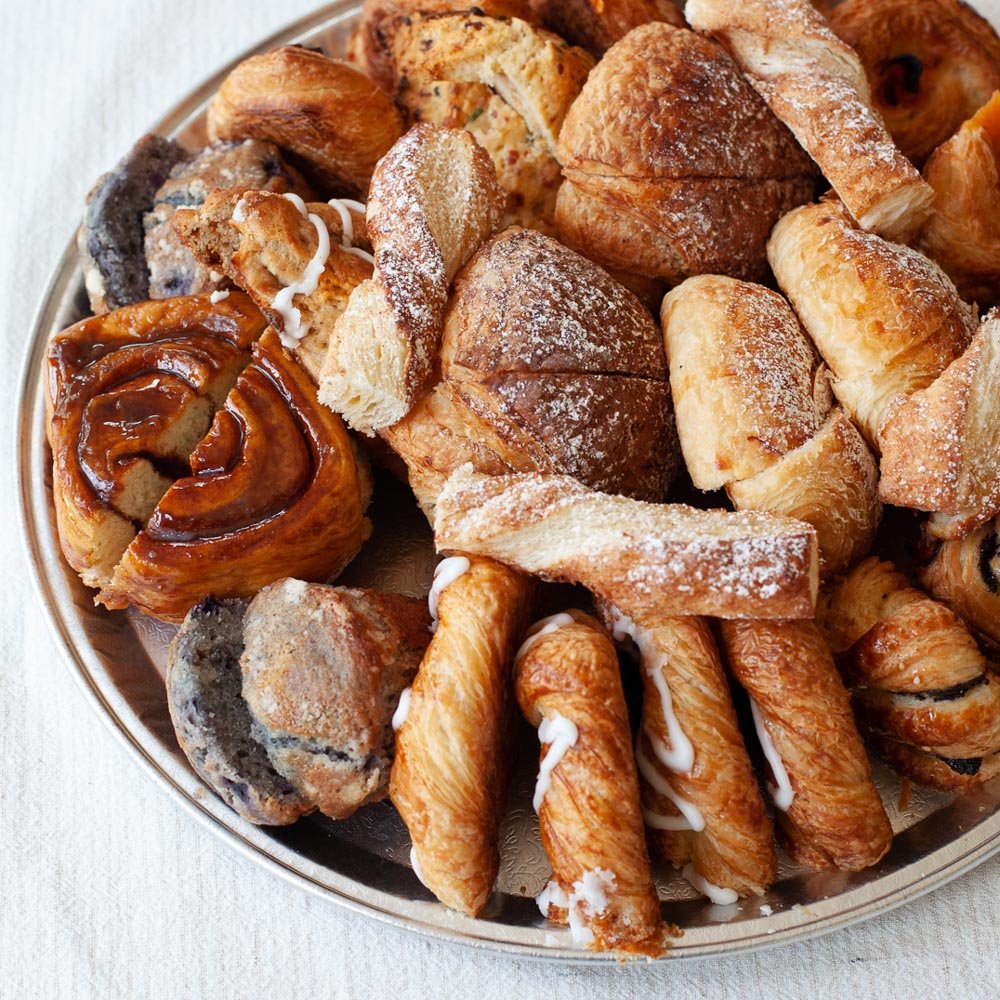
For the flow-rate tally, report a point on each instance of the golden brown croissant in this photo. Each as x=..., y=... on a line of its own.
x=587, y=796
x=816, y=85
x=329, y=118
x=922, y=690
x=449, y=779
x=701, y=803
x=753, y=415
x=433, y=200
x=930, y=65
x=596, y=25
x=130, y=394
x=828, y=810
x=274, y=491
x=648, y=560
x=674, y=166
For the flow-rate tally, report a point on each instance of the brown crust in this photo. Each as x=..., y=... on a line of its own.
x=596, y=25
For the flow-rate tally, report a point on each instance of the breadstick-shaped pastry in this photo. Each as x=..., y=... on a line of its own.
x=701, y=802
x=828, y=810
x=753, y=415
x=568, y=684
x=816, y=85
x=450, y=775
x=921, y=688
x=644, y=558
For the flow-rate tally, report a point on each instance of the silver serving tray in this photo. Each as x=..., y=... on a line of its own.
x=362, y=863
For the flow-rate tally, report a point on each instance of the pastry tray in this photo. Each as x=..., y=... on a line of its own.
x=363, y=863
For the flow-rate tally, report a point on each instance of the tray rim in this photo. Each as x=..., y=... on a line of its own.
x=942, y=864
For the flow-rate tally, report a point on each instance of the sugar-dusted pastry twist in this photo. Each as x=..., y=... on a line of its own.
x=963, y=232
x=828, y=809
x=329, y=116
x=568, y=685
x=596, y=25
x=923, y=692
x=753, y=415
x=701, y=802
x=433, y=200
x=450, y=775
x=645, y=559
x=816, y=85
x=965, y=575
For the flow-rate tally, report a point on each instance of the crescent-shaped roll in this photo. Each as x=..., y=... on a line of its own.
x=645, y=559
x=452, y=766
x=568, y=684
x=816, y=85
x=886, y=319
x=330, y=118
x=701, y=801
x=274, y=490
x=965, y=575
x=433, y=200
x=753, y=414
x=596, y=25
x=828, y=809
x=918, y=679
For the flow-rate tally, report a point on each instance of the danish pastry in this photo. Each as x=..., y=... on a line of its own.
x=587, y=796
x=828, y=809
x=595, y=25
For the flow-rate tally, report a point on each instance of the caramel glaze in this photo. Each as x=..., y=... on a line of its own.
x=273, y=492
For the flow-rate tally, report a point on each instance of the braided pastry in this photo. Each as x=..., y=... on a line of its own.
x=587, y=797
x=922, y=690
x=828, y=810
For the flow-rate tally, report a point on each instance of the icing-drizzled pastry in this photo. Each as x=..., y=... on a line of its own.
x=587, y=799
x=924, y=693
x=595, y=25
x=452, y=766
x=645, y=559
x=753, y=415
x=828, y=809
x=701, y=803
x=433, y=201
x=816, y=85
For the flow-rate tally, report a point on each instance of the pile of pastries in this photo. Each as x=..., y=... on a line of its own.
x=560, y=264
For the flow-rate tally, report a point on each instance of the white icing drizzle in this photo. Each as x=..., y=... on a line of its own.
x=657, y=821
x=716, y=893
x=402, y=709
x=545, y=626
x=445, y=573
x=781, y=791
x=344, y=207
x=417, y=870
x=589, y=897
x=560, y=734
x=690, y=813
x=218, y=296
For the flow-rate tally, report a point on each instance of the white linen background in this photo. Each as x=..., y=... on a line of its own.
x=110, y=889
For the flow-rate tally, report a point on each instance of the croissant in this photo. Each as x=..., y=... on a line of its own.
x=816, y=85
x=674, y=166
x=587, y=796
x=451, y=770
x=828, y=809
x=648, y=560
x=930, y=64
x=595, y=25
x=922, y=690
x=329, y=118
x=701, y=803
x=433, y=200
x=753, y=415
x=547, y=364
x=274, y=490
x=130, y=394
x=965, y=575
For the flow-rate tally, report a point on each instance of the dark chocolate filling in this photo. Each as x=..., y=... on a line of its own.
x=987, y=552
x=900, y=79
x=964, y=765
x=948, y=693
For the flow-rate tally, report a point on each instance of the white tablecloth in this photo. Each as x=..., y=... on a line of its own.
x=108, y=888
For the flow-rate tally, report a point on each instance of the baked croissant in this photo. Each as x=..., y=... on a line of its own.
x=753, y=415
x=587, y=797
x=130, y=395
x=816, y=85
x=596, y=25
x=433, y=200
x=923, y=692
x=828, y=809
x=450, y=775
x=701, y=802
x=648, y=560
